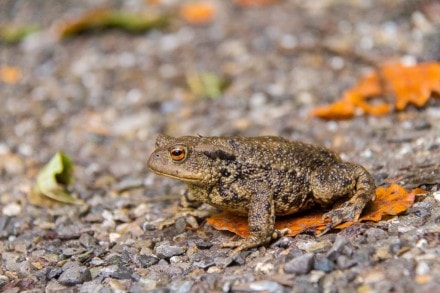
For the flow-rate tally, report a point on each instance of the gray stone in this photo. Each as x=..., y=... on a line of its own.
x=204, y=263
x=265, y=286
x=147, y=260
x=337, y=248
x=300, y=264
x=75, y=275
x=167, y=251
x=324, y=264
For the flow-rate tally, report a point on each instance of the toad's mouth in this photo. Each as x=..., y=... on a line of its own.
x=192, y=178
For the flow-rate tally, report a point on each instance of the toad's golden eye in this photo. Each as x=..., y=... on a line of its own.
x=178, y=153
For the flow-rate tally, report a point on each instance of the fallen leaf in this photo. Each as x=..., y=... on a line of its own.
x=52, y=181
x=389, y=201
x=101, y=18
x=10, y=74
x=13, y=34
x=408, y=84
x=197, y=12
x=206, y=84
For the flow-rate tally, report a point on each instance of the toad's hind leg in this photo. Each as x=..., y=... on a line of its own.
x=343, y=180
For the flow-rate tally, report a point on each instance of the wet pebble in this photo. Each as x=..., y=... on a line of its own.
x=167, y=250
x=300, y=264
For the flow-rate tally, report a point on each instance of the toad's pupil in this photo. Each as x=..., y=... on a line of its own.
x=177, y=152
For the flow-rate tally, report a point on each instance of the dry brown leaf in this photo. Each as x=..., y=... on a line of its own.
x=408, y=84
x=389, y=201
x=197, y=12
x=100, y=18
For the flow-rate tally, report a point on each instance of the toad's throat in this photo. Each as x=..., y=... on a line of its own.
x=193, y=178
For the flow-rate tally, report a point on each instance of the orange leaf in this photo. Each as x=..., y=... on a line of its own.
x=389, y=202
x=9, y=74
x=197, y=13
x=409, y=85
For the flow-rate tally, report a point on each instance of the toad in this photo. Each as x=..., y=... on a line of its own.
x=261, y=178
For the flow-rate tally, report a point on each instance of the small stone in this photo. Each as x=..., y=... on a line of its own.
x=54, y=273
x=265, y=286
x=148, y=284
x=148, y=260
x=203, y=244
x=204, y=263
x=324, y=264
x=55, y=287
x=167, y=251
x=374, y=234
x=181, y=286
x=75, y=275
x=223, y=261
x=344, y=262
x=266, y=268
x=300, y=265
x=436, y=195
x=283, y=242
x=337, y=248
x=121, y=273
x=12, y=209
x=3, y=280
x=87, y=240
x=422, y=268
x=113, y=237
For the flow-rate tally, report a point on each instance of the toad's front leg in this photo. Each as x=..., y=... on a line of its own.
x=261, y=218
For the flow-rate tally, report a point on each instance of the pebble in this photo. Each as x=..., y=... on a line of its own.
x=324, y=264
x=75, y=275
x=337, y=247
x=300, y=265
x=167, y=251
x=204, y=263
x=55, y=287
x=343, y=262
x=203, y=243
x=256, y=286
x=12, y=209
x=3, y=280
x=265, y=286
x=147, y=260
x=181, y=286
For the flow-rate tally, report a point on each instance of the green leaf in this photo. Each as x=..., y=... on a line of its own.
x=14, y=34
x=206, y=84
x=53, y=179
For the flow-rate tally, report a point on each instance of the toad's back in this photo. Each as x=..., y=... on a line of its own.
x=284, y=166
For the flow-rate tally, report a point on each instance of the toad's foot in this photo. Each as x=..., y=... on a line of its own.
x=347, y=212
x=244, y=244
x=254, y=241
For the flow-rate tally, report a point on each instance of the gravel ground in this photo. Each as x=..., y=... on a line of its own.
x=103, y=97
